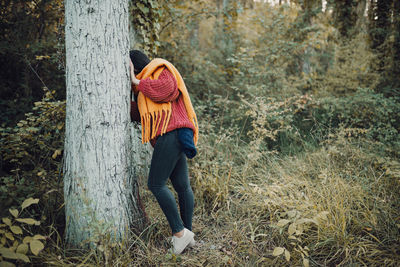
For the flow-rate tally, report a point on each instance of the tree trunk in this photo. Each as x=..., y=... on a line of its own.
x=396, y=49
x=380, y=22
x=360, y=11
x=100, y=187
x=345, y=15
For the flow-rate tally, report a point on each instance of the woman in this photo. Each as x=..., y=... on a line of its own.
x=169, y=122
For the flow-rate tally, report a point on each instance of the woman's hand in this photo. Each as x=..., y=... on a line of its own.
x=133, y=77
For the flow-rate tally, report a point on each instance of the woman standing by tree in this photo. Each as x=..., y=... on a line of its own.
x=169, y=123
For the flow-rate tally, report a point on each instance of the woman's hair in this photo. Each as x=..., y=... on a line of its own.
x=139, y=60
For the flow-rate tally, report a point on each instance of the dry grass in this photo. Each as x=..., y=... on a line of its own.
x=335, y=206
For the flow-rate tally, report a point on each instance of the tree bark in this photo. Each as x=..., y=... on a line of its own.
x=380, y=21
x=345, y=15
x=396, y=48
x=360, y=11
x=100, y=186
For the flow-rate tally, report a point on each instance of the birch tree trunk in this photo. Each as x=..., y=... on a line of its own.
x=100, y=187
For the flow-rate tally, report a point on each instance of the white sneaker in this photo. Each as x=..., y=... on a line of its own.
x=192, y=243
x=180, y=243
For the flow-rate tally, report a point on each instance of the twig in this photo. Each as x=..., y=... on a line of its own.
x=37, y=75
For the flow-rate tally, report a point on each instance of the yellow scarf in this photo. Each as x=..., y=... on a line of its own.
x=151, y=112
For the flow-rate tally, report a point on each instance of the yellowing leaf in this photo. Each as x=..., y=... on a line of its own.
x=306, y=220
x=27, y=220
x=14, y=212
x=36, y=246
x=22, y=257
x=27, y=239
x=4, y=250
x=16, y=229
x=7, y=221
x=323, y=215
x=7, y=264
x=287, y=255
x=278, y=251
x=28, y=202
x=306, y=262
x=7, y=253
x=22, y=248
x=292, y=229
x=42, y=57
x=282, y=222
x=56, y=153
x=37, y=237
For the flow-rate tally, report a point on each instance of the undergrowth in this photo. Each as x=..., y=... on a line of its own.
x=335, y=205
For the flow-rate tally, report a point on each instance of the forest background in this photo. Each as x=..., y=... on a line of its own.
x=298, y=104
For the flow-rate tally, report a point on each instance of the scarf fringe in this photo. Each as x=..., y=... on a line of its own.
x=151, y=122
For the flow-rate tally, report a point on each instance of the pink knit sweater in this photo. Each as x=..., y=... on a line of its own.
x=163, y=90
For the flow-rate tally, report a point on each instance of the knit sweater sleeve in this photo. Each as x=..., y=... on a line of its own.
x=135, y=114
x=164, y=89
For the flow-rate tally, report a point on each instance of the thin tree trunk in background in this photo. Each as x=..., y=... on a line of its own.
x=380, y=29
x=310, y=7
x=380, y=21
x=360, y=11
x=248, y=3
x=194, y=34
x=396, y=48
x=100, y=188
x=346, y=16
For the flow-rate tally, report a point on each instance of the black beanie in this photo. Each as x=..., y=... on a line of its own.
x=139, y=60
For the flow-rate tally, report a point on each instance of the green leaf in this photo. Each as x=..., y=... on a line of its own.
x=278, y=251
x=16, y=229
x=22, y=248
x=27, y=221
x=29, y=202
x=36, y=246
x=9, y=235
x=7, y=221
x=14, y=212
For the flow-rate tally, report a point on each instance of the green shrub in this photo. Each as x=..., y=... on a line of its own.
x=365, y=112
x=31, y=154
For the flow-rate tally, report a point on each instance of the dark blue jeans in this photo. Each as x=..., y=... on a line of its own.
x=169, y=161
